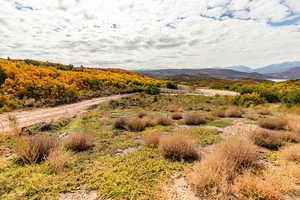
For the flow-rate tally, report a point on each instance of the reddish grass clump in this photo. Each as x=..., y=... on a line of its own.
x=120, y=124
x=164, y=120
x=136, y=124
x=34, y=149
x=58, y=158
x=178, y=147
x=177, y=116
x=79, y=141
x=272, y=123
x=213, y=176
x=141, y=114
x=152, y=140
x=194, y=119
x=234, y=111
x=292, y=153
x=263, y=111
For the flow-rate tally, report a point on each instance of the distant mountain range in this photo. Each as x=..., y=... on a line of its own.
x=285, y=70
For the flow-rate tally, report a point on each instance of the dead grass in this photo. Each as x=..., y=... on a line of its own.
x=34, y=149
x=174, y=108
x=164, y=120
x=136, y=124
x=120, y=124
x=293, y=123
x=58, y=159
x=213, y=176
x=150, y=121
x=14, y=125
x=272, y=123
x=141, y=114
x=177, y=116
x=291, y=153
x=79, y=141
x=253, y=117
x=194, y=119
x=263, y=111
x=152, y=140
x=178, y=147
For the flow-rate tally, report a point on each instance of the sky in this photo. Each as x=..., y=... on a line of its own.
x=151, y=34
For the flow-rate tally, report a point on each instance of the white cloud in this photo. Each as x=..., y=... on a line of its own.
x=151, y=34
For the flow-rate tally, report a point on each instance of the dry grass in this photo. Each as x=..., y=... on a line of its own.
x=234, y=111
x=164, y=120
x=213, y=176
x=272, y=123
x=120, y=124
x=150, y=121
x=253, y=117
x=34, y=149
x=141, y=114
x=136, y=124
x=14, y=125
x=79, y=141
x=263, y=111
x=174, y=108
x=152, y=140
x=220, y=113
x=291, y=153
x=177, y=116
x=293, y=123
x=194, y=119
x=178, y=147
x=58, y=159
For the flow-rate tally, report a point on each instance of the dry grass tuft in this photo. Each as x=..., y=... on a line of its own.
x=136, y=124
x=292, y=153
x=178, y=147
x=234, y=111
x=220, y=113
x=152, y=140
x=174, y=108
x=120, y=124
x=34, y=149
x=149, y=121
x=253, y=117
x=263, y=111
x=58, y=158
x=177, y=116
x=141, y=114
x=79, y=141
x=213, y=176
x=164, y=120
x=272, y=123
x=194, y=119
x=293, y=123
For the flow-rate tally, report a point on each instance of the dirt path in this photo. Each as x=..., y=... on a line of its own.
x=31, y=117
x=212, y=92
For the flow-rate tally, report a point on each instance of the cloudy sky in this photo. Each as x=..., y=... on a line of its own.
x=152, y=33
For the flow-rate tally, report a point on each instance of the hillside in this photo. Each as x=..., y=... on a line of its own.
x=27, y=83
x=209, y=72
x=277, y=68
x=292, y=73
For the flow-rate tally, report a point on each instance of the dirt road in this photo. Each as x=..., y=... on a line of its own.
x=34, y=116
x=212, y=92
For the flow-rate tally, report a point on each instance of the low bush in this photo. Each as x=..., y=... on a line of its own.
x=248, y=99
x=177, y=116
x=34, y=149
x=58, y=158
x=120, y=124
x=266, y=138
x=150, y=121
x=272, y=123
x=171, y=85
x=164, y=120
x=178, y=147
x=153, y=90
x=3, y=75
x=152, y=140
x=136, y=124
x=79, y=141
x=194, y=119
x=234, y=111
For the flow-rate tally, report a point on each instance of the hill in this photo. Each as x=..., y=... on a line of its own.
x=292, y=73
x=201, y=73
x=277, y=68
x=26, y=83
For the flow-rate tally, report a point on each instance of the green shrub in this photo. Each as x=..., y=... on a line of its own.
x=292, y=97
x=3, y=75
x=172, y=85
x=152, y=89
x=248, y=99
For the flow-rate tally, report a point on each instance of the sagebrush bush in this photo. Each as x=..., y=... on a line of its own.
x=272, y=123
x=164, y=120
x=34, y=149
x=194, y=119
x=177, y=116
x=152, y=140
x=135, y=124
x=213, y=176
x=178, y=147
x=58, y=158
x=79, y=141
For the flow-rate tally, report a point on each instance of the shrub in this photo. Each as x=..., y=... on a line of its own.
x=174, y=108
x=292, y=97
x=267, y=139
x=171, y=85
x=178, y=147
x=149, y=121
x=79, y=141
x=58, y=158
x=234, y=111
x=152, y=140
x=263, y=111
x=136, y=124
x=120, y=124
x=177, y=116
x=292, y=153
x=34, y=149
x=152, y=89
x=164, y=120
x=3, y=75
x=272, y=123
x=213, y=176
x=194, y=119
x=248, y=99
